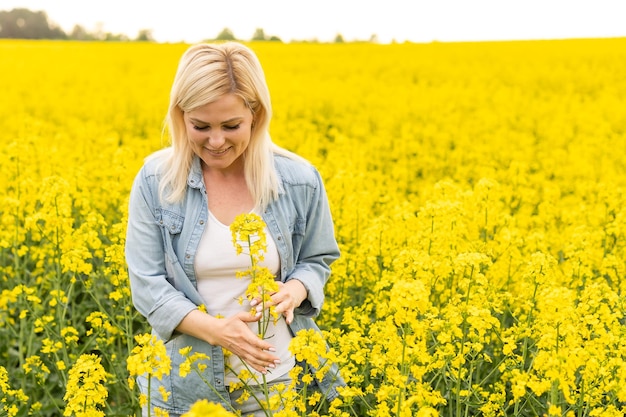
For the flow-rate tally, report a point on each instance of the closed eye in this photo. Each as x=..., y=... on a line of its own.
x=232, y=127
x=201, y=128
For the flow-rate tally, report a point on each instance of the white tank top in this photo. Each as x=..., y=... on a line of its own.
x=216, y=264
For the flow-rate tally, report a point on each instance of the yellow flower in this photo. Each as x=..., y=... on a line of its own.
x=308, y=346
x=50, y=346
x=427, y=412
x=246, y=376
x=58, y=296
x=185, y=351
x=159, y=412
x=35, y=365
x=42, y=322
x=97, y=319
x=193, y=361
x=149, y=357
x=314, y=398
x=554, y=410
x=205, y=408
x=4, y=379
x=70, y=334
x=85, y=390
x=10, y=398
x=164, y=393
x=116, y=295
x=248, y=230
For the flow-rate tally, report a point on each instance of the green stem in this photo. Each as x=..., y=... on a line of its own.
x=432, y=231
x=404, y=372
x=149, y=393
x=529, y=318
x=266, y=392
x=554, y=393
x=554, y=390
x=215, y=391
x=304, y=390
x=463, y=340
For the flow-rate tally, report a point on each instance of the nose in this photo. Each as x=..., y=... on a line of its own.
x=216, y=140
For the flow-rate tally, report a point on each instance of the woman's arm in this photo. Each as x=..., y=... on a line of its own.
x=303, y=290
x=153, y=295
x=318, y=251
x=233, y=334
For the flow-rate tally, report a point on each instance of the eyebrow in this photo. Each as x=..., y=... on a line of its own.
x=225, y=122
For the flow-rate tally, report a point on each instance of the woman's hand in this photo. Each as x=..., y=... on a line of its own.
x=288, y=297
x=233, y=334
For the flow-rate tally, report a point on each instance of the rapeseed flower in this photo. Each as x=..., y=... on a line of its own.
x=248, y=232
x=204, y=408
x=85, y=390
x=148, y=358
x=193, y=361
x=70, y=335
x=12, y=399
x=35, y=365
x=308, y=346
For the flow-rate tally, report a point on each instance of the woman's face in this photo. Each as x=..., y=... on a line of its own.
x=219, y=133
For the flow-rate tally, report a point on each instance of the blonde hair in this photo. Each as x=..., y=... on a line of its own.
x=205, y=73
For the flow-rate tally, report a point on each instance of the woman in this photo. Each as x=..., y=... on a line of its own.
x=222, y=163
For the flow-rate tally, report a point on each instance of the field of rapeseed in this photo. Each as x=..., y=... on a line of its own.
x=479, y=196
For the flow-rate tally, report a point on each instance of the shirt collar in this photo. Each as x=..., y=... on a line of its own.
x=194, y=179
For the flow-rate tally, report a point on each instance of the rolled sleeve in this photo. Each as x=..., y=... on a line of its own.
x=153, y=294
x=318, y=251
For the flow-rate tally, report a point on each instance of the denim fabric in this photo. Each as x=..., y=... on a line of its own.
x=161, y=244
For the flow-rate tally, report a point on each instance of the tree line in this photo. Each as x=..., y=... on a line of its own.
x=27, y=24
x=23, y=23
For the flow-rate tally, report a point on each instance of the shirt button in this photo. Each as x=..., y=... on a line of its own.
x=218, y=381
x=188, y=256
x=201, y=221
x=280, y=238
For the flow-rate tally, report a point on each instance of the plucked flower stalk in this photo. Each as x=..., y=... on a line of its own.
x=248, y=231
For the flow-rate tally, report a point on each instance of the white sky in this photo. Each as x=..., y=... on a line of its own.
x=399, y=20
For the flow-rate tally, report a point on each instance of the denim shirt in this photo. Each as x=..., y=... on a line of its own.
x=161, y=243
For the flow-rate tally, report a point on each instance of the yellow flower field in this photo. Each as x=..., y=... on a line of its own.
x=479, y=197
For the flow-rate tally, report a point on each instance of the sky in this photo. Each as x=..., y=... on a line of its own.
x=390, y=20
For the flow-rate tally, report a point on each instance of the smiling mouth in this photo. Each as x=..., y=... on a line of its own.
x=218, y=151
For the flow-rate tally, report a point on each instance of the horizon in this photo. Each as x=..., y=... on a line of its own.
x=391, y=21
